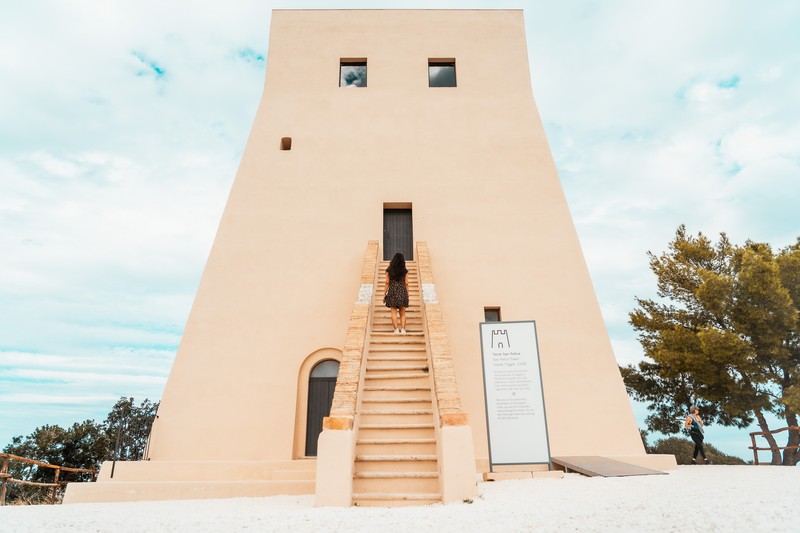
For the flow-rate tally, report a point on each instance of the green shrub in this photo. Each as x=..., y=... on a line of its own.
x=682, y=449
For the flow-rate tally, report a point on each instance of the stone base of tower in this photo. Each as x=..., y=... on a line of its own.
x=192, y=480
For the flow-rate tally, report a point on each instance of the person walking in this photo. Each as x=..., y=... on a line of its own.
x=695, y=425
x=395, y=293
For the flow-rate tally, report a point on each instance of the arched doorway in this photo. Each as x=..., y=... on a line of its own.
x=321, y=384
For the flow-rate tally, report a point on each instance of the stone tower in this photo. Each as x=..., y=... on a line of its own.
x=396, y=126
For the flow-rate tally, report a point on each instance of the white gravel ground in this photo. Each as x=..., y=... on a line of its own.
x=693, y=498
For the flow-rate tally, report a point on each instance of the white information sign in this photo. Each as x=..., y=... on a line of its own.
x=512, y=382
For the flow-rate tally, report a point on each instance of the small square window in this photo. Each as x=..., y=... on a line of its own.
x=491, y=314
x=441, y=73
x=353, y=73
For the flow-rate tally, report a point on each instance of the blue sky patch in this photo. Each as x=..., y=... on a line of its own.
x=251, y=56
x=153, y=68
x=733, y=169
x=730, y=83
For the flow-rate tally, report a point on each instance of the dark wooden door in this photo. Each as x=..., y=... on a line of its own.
x=398, y=235
x=321, y=385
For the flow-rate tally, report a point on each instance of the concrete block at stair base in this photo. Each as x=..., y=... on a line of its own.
x=335, y=454
x=457, y=463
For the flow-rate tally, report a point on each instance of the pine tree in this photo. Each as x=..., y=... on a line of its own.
x=724, y=335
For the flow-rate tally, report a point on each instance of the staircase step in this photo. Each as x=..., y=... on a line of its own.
x=394, y=375
x=373, y=416
x=397, y=412
x=378, y=444
x=416, y=366
x=418, y=349
x=396, y=463
x=398, y=431
x=402, y=349
x=396, y=441
x=392, y=458
x=410, y=364
x=399, y=496
x=383, y=340
x=403, y=359
x=396, y=403
x=383, y=499
x=392, y=475
x=396, y=388
x=398, y=358
x=395, y=426
x=396, y=400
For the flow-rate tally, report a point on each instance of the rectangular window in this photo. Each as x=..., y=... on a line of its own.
x=491, y=314
x=353, y=73
x=441, y=73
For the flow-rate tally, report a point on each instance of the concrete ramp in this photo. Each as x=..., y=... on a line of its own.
x=594, y=465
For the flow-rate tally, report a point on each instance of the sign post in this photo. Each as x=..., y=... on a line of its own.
x=512, y=384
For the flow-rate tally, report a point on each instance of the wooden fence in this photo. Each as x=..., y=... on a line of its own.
x=770, y=448
x=5, y=477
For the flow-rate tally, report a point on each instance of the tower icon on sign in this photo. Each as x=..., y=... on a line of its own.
x=500, y=338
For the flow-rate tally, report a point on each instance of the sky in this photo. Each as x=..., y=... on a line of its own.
x=122, y=125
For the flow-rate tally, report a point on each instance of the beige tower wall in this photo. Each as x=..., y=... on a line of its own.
x=284, y=269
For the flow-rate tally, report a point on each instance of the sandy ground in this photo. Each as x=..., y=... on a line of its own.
x=693, y=498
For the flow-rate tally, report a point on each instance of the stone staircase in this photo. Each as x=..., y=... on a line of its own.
x=396, y=460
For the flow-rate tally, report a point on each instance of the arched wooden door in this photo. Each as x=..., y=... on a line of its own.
x=321, y=384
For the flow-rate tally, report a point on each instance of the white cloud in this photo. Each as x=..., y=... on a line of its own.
x=751, y=144
x=81, y=378
x=705, y=92
x=55, y=399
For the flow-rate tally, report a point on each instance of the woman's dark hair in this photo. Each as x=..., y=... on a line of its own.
x=397, y=267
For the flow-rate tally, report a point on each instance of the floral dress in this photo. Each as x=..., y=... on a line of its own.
x=397, y=294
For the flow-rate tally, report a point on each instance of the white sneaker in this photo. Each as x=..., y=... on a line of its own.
x=396, y=330
x=402, y=331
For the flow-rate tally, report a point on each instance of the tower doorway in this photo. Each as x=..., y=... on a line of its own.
x=321, y=384
x=398, y=234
